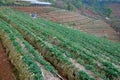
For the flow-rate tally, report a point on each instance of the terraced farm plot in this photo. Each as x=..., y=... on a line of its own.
x=83, y=23
x=62, y=53
x=74, y=20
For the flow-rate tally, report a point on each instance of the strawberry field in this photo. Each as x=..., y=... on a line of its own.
x=44, y=50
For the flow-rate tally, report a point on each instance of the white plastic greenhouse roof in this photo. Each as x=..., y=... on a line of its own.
x=36, y=2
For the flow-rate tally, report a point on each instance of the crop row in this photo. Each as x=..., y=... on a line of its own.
x=52, y=53
x=56, y=41
x=87, y=55
x=22, y=51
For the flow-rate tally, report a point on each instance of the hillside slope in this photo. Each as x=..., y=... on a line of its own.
x=74, y=54
x=74, y=20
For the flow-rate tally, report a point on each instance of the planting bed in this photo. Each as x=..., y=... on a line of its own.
x=62, y=53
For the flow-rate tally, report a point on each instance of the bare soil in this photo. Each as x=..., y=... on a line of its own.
x=6, y=68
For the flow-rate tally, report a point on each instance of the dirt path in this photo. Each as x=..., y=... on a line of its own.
x=5, y=66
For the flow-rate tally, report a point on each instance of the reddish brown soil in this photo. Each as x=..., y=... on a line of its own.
x=87, y=12
x=31, y=9
x=6, y=72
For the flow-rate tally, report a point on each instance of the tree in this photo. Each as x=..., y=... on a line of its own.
x=78, y=4
x=71, y=7
x=108, y=12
